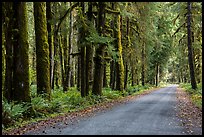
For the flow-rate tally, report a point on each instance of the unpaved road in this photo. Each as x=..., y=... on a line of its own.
x=152, y=114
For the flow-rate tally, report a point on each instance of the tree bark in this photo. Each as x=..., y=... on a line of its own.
x=8, y=87
x=119, y=63
x=143, y=64
x=83, y=55
x=157, y=74
x=42, y=49
x=126, y=60
x=99, y=61
x=190, y=51
x=89, y=55
x=21, y=60
x=50, y=39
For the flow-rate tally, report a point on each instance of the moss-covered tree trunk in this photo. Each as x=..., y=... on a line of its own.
x=42, y=49
x=7, y=12
x=119, y=63
x=21, y=60
x=99, y=61
x=89, y=54
x=50, y=39
x=67, y=55
x=143, y=65
x=104, y=76
x=190, y=51
x=127, y=58
x=112, y=74
x=3, y=56
x=79, y=70
x=61, y=60
x=112, y=63
x=83, y=53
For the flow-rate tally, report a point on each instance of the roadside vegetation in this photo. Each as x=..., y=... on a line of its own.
x=61, y=103
x=195, y=94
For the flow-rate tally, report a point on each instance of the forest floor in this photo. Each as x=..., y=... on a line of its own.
x=189, y=114
x=64, y=124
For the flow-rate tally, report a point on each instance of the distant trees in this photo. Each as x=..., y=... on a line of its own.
x=187, y=60
x=92, y=45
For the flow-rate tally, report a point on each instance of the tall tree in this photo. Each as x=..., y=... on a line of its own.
x=89, y=53
x=119, y=63
x=98, y=71
x=21, y=60
x=42, y=49
x=190, y=51
x=7, y=13
x=50, y=39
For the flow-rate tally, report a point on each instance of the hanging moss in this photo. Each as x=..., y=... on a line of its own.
x=42, y=49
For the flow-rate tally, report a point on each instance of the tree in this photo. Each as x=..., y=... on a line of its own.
x=42, y=49
x=98, y=69
x=190, y=52
x=21, y=60
x=8, y=30
x=119, y=63
x=89, y=53
x=50, y=39
x=17, y=85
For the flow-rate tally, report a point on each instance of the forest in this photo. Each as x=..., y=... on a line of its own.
x=60, y=57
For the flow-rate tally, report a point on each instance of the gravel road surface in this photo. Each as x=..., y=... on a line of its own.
x=151, y=114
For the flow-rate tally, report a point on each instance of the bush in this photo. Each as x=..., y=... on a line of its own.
x=12, y=112
x=112, y=94
x=196, y=95
x=40, y=105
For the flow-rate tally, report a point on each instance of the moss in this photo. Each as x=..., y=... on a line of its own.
x=42, y=49
x=21, y=60
x=120, y=60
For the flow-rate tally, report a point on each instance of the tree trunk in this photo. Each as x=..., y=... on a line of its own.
x=8, y=87
x=119, y=63
x=79, y=70
x=143, y=65
x=126, y=76
x=61, y=61
x=89, y=55
x=98, y=71
x=104, y=76
x=42, y=49
x=21, y=60
x=112, y=75
x=157, y=74
x=126, y=60
x=190, y=51
x=50, y=39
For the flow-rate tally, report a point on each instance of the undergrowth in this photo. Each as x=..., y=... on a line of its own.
x=195, y=95
x=61, y=102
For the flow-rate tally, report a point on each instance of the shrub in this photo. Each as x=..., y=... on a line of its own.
x=12, y=112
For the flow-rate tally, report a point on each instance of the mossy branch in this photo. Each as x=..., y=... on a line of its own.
x=179, y=29
x=135, y=30
x=63, y=17
x=112, y=11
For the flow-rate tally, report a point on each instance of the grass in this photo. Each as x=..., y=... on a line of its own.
x=61, y=103
x=195, y=95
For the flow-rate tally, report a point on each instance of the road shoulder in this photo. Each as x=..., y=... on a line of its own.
x=189, y=115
